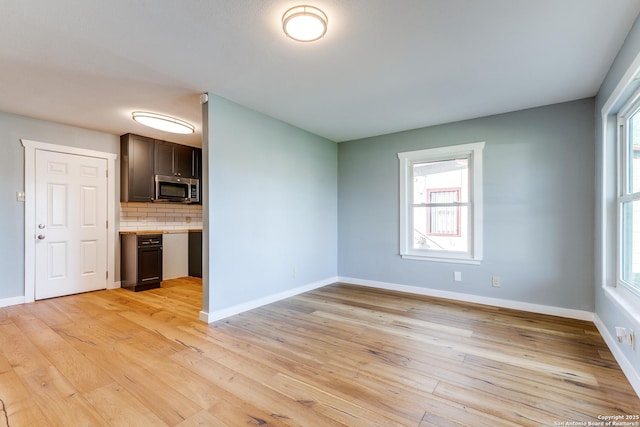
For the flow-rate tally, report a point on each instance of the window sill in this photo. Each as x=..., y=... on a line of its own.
x=441, y=259
x=626, y=300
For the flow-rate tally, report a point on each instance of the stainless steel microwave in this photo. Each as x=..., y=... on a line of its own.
x=177, y=189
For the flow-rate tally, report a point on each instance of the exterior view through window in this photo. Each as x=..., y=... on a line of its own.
x=440, y=205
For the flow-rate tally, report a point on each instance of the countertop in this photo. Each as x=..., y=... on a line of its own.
x=139, y=233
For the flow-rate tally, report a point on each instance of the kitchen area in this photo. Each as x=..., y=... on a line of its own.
x=160, y=211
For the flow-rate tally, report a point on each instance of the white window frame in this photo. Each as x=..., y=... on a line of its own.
x=473, y=152
x=609, y=254
x=624, y=189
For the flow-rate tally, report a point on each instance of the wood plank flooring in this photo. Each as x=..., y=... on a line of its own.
x=338, y=356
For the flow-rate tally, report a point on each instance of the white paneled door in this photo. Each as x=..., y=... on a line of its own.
x=71, y=224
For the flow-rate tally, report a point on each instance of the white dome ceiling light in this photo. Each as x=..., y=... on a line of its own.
x=162, y=122
x=304, y=23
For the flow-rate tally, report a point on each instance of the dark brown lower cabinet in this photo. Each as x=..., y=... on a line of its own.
x=141, y=261
x=195, y=253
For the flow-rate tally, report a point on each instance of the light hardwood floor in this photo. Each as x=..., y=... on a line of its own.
x=341, y=355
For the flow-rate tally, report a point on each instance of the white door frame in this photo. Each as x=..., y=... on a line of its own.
x=30, y=148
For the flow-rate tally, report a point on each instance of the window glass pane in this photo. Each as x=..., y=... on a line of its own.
x=441, y=228
x=440, y=176
x=631, y=243
x=634, y=153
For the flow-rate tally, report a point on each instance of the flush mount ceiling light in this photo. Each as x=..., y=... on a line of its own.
x=162, y=122
x=304, y=23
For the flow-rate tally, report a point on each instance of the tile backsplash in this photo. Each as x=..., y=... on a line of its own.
x=159, y=216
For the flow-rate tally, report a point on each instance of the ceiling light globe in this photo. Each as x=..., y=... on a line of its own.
x=304, y=23
x=162, y=122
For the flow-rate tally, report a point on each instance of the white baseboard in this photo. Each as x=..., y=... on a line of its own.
x=214, y=316
x=627, y=367
x=6, y=302
x=116, y=285
x=458, y=296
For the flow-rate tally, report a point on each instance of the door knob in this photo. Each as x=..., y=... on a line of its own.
x=40, y=236
x=41, y=226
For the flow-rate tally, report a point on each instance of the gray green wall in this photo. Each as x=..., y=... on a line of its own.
x=538, y=207
x=272, y=204
x=12, y=129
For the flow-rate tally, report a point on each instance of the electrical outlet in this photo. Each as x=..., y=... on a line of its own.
x=495, y=281
x=457, y=276
x=626, y=336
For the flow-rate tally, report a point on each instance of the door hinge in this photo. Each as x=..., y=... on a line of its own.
x=107, y=224
x=107, y=275
x=107, y=173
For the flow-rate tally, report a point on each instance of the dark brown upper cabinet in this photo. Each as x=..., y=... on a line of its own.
x=142, y=158
x=177, y=160
x=136, y=168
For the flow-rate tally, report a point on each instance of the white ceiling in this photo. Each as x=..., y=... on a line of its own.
x=384, y=66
